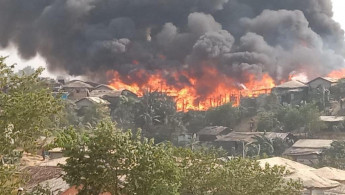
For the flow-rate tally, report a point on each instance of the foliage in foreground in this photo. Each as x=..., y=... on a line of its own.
x=335, y=155
x=120, y=162
x=28, y=111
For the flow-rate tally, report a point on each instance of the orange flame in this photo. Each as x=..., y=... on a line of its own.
x=337, y=74
x=224, y=90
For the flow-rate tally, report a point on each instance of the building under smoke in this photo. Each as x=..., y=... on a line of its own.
x=214, y=42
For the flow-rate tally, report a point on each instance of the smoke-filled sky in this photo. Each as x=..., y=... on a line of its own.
x=237, y=37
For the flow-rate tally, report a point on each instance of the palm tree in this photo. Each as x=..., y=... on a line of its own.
x=263, y=144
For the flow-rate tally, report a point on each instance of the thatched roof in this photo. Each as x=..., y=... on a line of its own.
x=340, y=190
x=212, y=130
x=331, y=173
x=291, y=85
x=303, y=172
x=250, y=136
x=38, y=174
x=77, y=84
x=56, y=185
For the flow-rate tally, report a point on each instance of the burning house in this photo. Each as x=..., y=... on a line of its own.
x=77, y=89
x=323, y=82
x=292, y=92
x=204, y=53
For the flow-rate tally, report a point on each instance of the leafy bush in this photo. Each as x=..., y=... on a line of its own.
x=225, y=115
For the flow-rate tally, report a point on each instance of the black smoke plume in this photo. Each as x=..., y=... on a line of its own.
x=237, y=37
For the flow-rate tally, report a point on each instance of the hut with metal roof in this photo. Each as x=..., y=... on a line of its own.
x=235, y=141
x=322, y=82
x=77, y=89
x=291, y=92
x=308, y=151
x=210, y=133
x=90, y=101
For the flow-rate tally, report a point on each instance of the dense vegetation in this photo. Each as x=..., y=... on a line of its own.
x=28, y=111
x=109, y=151
x=113, y=161
x=101, y=156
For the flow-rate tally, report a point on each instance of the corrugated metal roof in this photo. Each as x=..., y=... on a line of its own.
x=332, y=80
x=313, y=143
x=96, y=100
x=101, y=93
x=303, y=172
x=250, y=136
x=212, y=130
x=302, y=151
x=308, y=146
x=291, y=85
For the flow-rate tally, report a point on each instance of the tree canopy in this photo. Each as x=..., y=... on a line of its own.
x=28, y=111
x=115, y=161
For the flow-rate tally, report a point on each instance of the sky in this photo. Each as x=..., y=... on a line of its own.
x=38, y=61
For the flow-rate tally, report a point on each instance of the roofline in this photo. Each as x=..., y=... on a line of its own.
x=322, y=79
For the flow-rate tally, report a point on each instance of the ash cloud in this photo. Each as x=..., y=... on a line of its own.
x=236, y=37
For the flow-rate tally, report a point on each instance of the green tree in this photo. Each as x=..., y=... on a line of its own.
x=338, y=90
x=28, y=111
x=28, y=70
x=263, y=145
x=311, y=118
x=124, y=112
x=292, y=119
x=199, y=174
x=224, y=115
x=110, y=159
x=334, y=156
x=156, y=171
x=267, y=121
x=154, y=109
x=157, y=116
x=248, y=177
x=194, y=121
x=280, y=145
x=91, y=115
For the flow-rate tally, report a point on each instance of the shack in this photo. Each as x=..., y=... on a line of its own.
x=235, y=142
x=77, y=89
x=333, y=123
x=308, y=151
x=292, y=92
x=322, y=82
x=211, y=133
x=90, y=101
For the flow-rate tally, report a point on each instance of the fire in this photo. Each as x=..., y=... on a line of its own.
x=337, y=74
x=302, y=77
x=187, y=95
